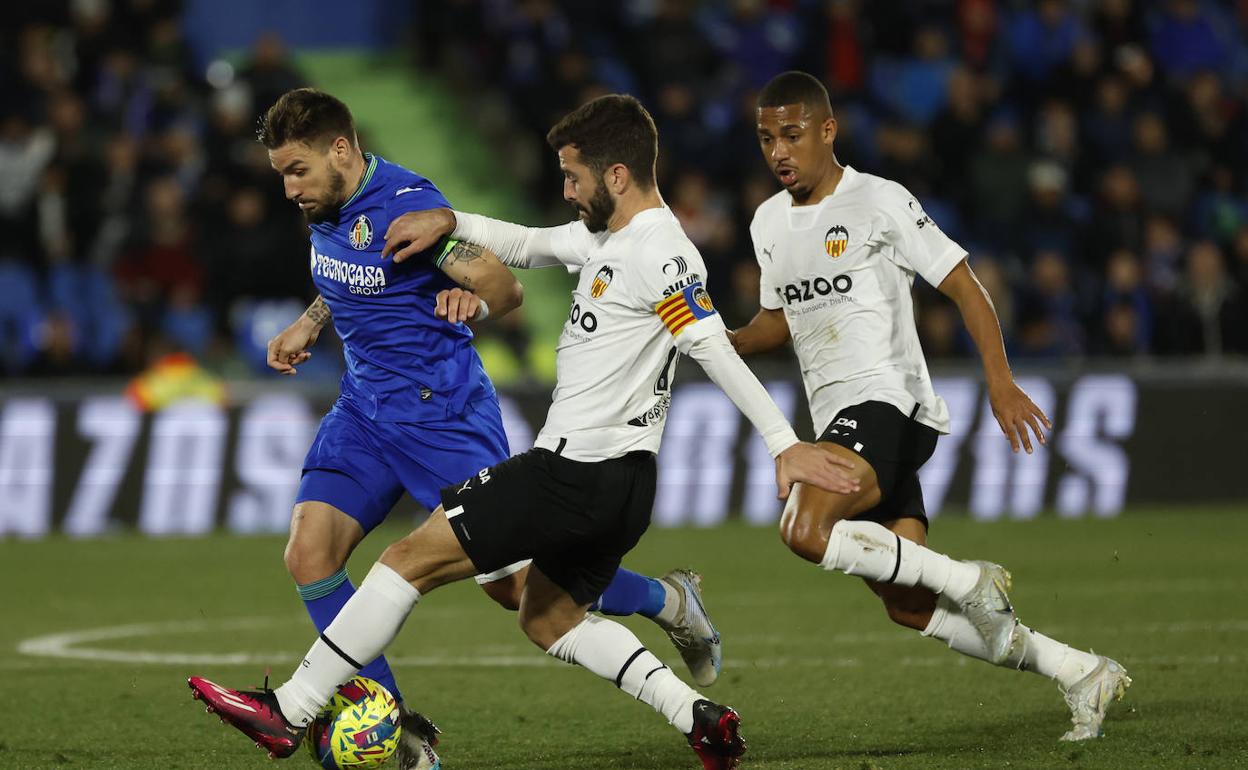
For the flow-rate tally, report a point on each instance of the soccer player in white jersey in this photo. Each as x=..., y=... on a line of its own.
x=838, y=250
x=581, y=499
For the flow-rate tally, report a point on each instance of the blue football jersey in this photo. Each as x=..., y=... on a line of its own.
x=404, y=364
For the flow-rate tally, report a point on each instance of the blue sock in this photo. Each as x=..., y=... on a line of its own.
x=631, y=593
x=324, y=599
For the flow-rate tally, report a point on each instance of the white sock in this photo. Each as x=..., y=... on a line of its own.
x=872, y=551
x=1036, y=652
x=1051, y=658
x=612, y=652
x=366, y=624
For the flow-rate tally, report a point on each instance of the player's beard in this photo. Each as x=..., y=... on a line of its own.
x=599, y=210
x=324, y=212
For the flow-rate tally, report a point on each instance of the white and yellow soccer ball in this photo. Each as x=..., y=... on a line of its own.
x=358, y=728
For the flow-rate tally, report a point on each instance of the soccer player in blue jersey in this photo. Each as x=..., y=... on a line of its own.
x=416, y=411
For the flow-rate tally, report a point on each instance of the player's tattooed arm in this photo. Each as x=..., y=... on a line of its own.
x=318, y=312
x=290, y=347
x=477, y=270
x=462, y=254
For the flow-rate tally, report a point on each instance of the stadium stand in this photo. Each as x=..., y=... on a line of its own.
x=1092, y=156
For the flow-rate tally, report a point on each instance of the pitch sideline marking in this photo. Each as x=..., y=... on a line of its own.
x=68, y=645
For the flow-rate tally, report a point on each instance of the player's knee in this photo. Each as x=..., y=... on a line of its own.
x=542, y=631
x=804, y=536
x=403, y=556
x=308, y=561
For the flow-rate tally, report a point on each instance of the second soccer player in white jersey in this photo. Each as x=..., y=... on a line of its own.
x=838, y=251
x=581, y=499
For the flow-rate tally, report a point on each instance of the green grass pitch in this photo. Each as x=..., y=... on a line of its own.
x=822, y=680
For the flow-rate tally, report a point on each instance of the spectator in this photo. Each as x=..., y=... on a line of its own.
x=1108, y=127
x=1127, y=308
x=915, y=87
x=956, y=131
x=1119, y=214
x=1089, y=146
x=26, y=149
x=998, y=181
x=1184, y=41
x=1218, y=213
x=1166, y=179
x=845, y=57
x=1163, y=253
x=1118, y=23
x=979, y=35
x=1050, y=325
x=161, y=260
x=758, y=40
x=1239, y=257
x=1042, y=38
x=1057, y=139
x=270, y=73
x=1051, y=222
x=1210, y=313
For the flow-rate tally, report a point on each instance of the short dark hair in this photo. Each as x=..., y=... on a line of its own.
x=305, y=115
x=611, y=129
x=794, y=87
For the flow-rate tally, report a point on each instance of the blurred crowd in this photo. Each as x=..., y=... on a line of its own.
x=1092, y=156
x=138, y=215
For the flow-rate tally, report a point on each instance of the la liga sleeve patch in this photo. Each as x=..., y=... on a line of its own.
x=684, y=307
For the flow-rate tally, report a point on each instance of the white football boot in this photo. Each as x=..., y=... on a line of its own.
x=1090, y=697
x=987, y=606
x=692, y=632
x=417, y=737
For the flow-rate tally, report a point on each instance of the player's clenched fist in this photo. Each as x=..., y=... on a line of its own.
x=456, y=305
x=290, y=348
x=416, y=231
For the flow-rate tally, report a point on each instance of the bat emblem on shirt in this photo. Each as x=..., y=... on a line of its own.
x=835, y=240
x=601, y=281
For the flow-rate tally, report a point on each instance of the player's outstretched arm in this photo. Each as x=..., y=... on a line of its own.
x=488, y=287
x=290, y=347
x=767, y=330
x=1013, y=408
x=796, y=461
x=515, y=245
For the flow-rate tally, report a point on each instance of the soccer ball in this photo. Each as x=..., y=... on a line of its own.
x=358, y=728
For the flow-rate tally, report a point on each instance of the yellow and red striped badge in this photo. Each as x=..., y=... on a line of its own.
x=685, y=307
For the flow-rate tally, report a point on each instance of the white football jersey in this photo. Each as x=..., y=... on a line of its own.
x=841, y=270
x=640, y=301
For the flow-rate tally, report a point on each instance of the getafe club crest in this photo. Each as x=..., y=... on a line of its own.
x=835, y=241
x=601, y=282
x=361, y=234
